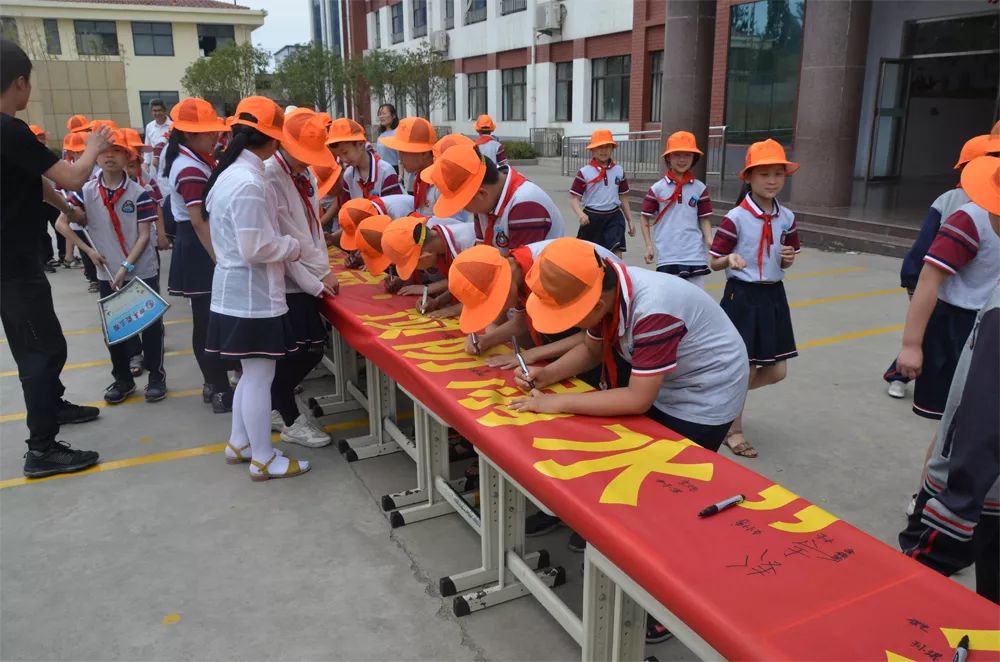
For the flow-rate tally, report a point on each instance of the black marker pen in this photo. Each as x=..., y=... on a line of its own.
x=722, y=505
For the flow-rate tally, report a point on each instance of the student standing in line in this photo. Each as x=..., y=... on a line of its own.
x=187, y=166
x=755, y=243
x=488, y=144
x=597, y=196
x=675, y=214
x=309, y=278
x=249, y=320
x=388, y=123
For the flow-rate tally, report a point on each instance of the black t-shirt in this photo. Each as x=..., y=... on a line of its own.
x=22, y=161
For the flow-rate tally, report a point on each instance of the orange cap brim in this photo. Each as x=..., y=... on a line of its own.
x=408, y=264
x=394, y=142
x=376, y=264
x=270, y=131
x=201, y=127
x=348, y=240
x=325, y=186
x=346, y=139
x=556, y=319
x=979, y=181
x=426, y=175
x=315, y=157
x=692, y=150
x=791, y=167
x=602, y=144
x=476, y=318
x=449, y=206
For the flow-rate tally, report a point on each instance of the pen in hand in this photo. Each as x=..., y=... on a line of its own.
x=520, y=361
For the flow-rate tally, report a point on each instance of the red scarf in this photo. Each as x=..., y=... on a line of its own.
x=609, y=329
x=678, y=193
x=483, y=139
x=602, y=171
x=198, y=156
x=516, y=179
x=109, y=204
x=420, y=191
x=368, y=186
x=766, y=233
x=522, y=255
x=306, y=192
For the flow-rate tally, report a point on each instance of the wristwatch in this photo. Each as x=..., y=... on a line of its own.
x=129, y=267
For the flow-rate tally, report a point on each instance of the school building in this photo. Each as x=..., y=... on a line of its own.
x=109, y=58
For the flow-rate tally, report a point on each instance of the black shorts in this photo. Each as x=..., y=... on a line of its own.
x=249, y=338
x=947, y=331
x=606, y=228
x=759, y=311
x=684, y=271
x=706, y=436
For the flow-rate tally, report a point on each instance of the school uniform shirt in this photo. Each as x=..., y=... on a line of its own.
x=156, y=136
x=944, y=206
x=95, y=172
x=599, y=186
x=382, y=180
x=669, y=327
x=457, y=237
x=967, y=248
x=676, y=229
x=298, y=216
x=526, y=256
x=524, y=213
x=250, y=252
x=492, y=149
x=394, y=206
x=114, y=235
x=189, y=174
x=743, y=232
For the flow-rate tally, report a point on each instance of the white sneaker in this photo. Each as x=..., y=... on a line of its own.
x=897, y=389
x=912, y=506
x=305, y=433
x=277, y=422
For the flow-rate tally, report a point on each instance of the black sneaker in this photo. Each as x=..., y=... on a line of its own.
x=156, y=390
x=206, y=393
x=69, y=413
x=222, y=403
x=59, y=458
x=540, y=524
x=576, y=543
x=49, y=268
x=118, y=392
x=54, y=262
x=655, y=632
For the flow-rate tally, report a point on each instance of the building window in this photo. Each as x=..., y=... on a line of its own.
x=609, y=88
x=952, y=34
x=53, y=44
x=96, y=37
x=419, y=18
x=564, y=92
x=317, y=22
x=169, y=99
x=475, y=11
x=449, y=106
x=449, y=14
x=655, y=85
x=153, y=38
x=477, y=95
x=8, y=28
x=378, y=29
x=513, y=87
x=511, y=6
x=212, y=37
x=396, y=14
x=762, y=77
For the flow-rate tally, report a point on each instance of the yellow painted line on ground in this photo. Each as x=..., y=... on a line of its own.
x=95, y=364
x=156, y=458
x=807, y=274
x=97, y=329
x=133, y=399
x=854, y=335
x=845, y=297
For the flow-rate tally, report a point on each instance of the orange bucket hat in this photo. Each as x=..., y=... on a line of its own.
x=479, y=278
x=96, y=123
x=326, y=178
x=74, y=142
x=262, y=114
x=440, y=147
x=972, y=149
x=600, y=138
x=344, y=130
x=484, y=123
x=565, y=283
x=118, y=139
x=77, y=123
x=767, y=152
x=403, y=242
x=414, y=134
x=134, y=140
x=458, y=174
x=36, y=130
x=981, y=180
x=304, y=137
x=993, y=145
x=196, y=115
x=370, y=234
x=350, y=216
x=682, y=141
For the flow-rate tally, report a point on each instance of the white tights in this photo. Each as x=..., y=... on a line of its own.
x=252, y=409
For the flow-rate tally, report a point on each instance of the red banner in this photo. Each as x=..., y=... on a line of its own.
x=775, y=578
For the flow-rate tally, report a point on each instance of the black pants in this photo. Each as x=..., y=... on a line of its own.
x=89, y=268
x=948, y=555
x=150, y=346
x=39, y=348
x=50, y=214
x=213, y=369
x=288, y=374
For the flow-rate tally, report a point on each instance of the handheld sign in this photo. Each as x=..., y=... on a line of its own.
x=130, y=310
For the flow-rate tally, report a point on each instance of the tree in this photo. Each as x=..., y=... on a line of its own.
x=310, y=76
x=227, y=75
x=418, y=76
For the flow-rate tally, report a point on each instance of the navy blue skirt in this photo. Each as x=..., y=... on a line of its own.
x=759, y=311
x=606, y=228
x=307, y=325
x=250, y=337
x=191, y=267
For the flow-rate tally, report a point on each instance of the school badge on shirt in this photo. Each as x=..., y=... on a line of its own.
x=501, y=239
x=128, y=207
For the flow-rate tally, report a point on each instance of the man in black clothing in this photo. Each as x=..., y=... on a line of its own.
x=29, y=318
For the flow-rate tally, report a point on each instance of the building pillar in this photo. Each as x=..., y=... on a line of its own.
x=689, y=38
x=834, y=49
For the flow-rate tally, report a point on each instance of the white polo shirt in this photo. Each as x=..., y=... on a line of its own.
x=524, y=214
x=740, y=232
x=156, y=136
x=599, y=188
x=492, y=149
x=967, y=248
x=394, y=206
x=677, y=233
x=189, y=174
x=382, y=180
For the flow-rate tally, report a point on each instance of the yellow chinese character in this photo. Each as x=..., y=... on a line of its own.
x=407, y=324
x=352, y=277
x=444, y=355
x=495, y=394
x=636, y=454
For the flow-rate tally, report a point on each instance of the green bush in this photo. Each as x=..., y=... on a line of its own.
x=517, y=150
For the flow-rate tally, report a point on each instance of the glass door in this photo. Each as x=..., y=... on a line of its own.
x=889, y=127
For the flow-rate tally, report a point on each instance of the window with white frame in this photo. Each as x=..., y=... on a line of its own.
x=609, y=88
x=477, y=95
x=513, y=86
x=564, y=92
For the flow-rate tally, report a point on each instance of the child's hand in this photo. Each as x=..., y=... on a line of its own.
x=331, y=286
x=162, y=242
x=95, y=257
x=649, y=256
x=392, y=284
x=470, y=347
x=787, y=256
x=910, y=362
x=536, y=401
x=631, y=229
x=119, y=278
x=353, y=260
x=584, y=219
x=79, y=216
x=502, y=361
x=735, y=261
x=432, y=304
x=447, y=311
x=411, y=291
x=535, y=378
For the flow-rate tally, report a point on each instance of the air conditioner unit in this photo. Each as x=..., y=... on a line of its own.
x=549, y=17
x=439, y=42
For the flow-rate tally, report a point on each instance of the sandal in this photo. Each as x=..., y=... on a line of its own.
x=238, y=452
x=743, y=449
x=294, y=469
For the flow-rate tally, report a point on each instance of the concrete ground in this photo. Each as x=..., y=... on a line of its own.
x=169, y=553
